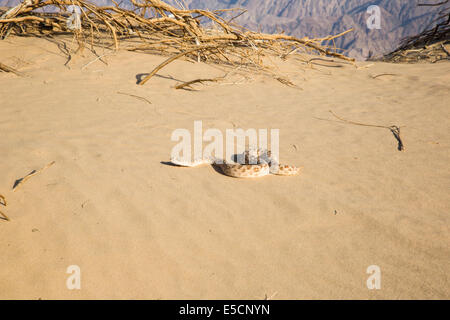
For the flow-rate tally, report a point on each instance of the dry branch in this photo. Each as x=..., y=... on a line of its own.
x=21, y=181
x=5, y=68
x=4, y=203
x=394, y=129
x=4, y=216
x=286, y=82
x=166, y=62
x=429, y=45
x=135, y=96
x=156, y=27
x=189, y=83
x=384, y=74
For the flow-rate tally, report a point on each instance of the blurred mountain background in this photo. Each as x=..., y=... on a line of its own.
x=319, y=18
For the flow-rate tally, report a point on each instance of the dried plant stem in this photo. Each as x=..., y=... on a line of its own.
x=445, y=50
x=135, y=96
x=5, y=216
x=21, y=181
x=384, y=74
x=5, y=68
x=429, y=44
x=166, y=62
x=307, y=43
x=394, y=129
x=97, y=58
x=3, y=202
x=189, y=83
x=157, y=27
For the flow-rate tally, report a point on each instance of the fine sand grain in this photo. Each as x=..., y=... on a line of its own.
x=139, y=228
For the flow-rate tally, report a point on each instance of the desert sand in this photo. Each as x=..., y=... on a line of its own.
x=141, y=229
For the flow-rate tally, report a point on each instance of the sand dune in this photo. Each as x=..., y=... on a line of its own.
x=139, y=228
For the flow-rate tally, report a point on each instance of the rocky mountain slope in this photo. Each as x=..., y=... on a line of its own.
x=318, y=18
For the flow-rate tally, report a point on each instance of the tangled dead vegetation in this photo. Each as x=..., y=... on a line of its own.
x=153, y=26
x=432, y=45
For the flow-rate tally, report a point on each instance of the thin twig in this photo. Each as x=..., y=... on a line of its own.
x=189, y=83
x=166, y=62
x=5, y=68
x=97, y=58
x=5, y=216
x=286, y=82
x=135, y=96
x=324, y=65
x=384, y=74
x=394, y=129
x=445, y=50
x=19, y=182
x=3, y=202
